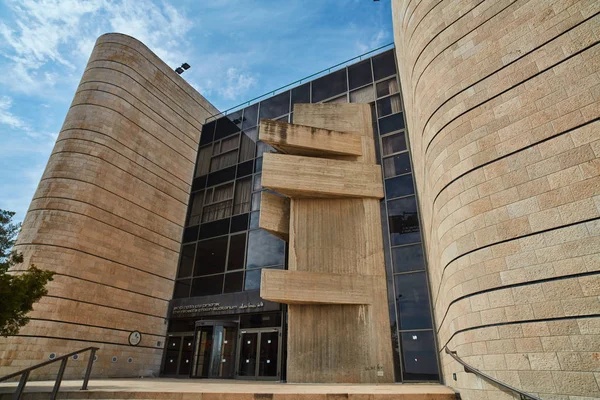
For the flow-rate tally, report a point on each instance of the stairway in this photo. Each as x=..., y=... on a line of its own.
x=183, y=389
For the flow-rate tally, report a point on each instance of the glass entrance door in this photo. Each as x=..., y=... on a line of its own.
x=178, y=357
x=259, y=351
x=214, y=350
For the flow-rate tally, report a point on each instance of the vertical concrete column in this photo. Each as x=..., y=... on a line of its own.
x=108, y=214
x=502, y=101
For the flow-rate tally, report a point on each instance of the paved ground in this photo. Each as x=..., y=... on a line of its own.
x=227, y=386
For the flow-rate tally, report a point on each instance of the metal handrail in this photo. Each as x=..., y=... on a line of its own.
x=299, y=81
x=522, y=395
x=61, y=370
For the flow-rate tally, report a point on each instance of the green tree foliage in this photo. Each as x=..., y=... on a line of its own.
x=18, y=290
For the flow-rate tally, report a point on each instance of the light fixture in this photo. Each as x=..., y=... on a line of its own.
x=184, y=66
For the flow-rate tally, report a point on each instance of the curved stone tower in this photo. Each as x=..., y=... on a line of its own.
x=503, y=100
x=108, y=214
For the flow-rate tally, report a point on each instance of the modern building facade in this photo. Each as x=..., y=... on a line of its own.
x=440, y=196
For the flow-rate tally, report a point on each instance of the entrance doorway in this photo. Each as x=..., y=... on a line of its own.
x=259, y=354
x=178, y=360
x=214, y=349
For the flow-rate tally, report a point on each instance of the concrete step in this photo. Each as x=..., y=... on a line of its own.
x=184, y=389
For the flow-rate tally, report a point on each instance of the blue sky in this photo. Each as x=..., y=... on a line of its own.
x=237, y=49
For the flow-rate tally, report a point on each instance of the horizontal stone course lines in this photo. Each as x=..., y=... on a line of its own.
x=530, y=258
x=72, y=146
x=97, y=99
x=68, y=230
x=111, y=67
x=136, y=106
x=62, y=205
x=502, y=5
x=71, y=176
x=495, y=138
x=108, y=214
x=59, y=258
x=441, y=24
x=494, y=81
x=119, y=77
x=503, y=119
x=90, y=193
x=428, y=12
x=179, y=85
x=101, y=139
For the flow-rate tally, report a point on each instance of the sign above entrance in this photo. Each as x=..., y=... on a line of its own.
x=196, y=308
x=224, y=304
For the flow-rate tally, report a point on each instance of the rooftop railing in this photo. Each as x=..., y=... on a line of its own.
x=297, y=82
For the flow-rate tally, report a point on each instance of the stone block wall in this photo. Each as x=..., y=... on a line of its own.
x=503, y=105
x=108, y=215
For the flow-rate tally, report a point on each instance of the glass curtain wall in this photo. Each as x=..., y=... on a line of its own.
x=223, y=248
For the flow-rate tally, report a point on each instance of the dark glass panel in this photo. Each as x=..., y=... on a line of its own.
x=364, y=95
x=243, y=191
x=247, y=148
x=254, y=217
x=186, y=263
x=389, y=105
x=225, y=127
x=199, y=183
x=207, y=285
x=301, y=94
x=250, y=116
x=234, y=282
x=403, y=221
x=248, y=354
x=236, y=118
x=257, y=182
x=264, y=249
x=389, y=86
x=182, y=289
x=265, y=320
x=244, y=169
x=223, y=161
x=256, y=201
x=275, y=106
x=191, y=234
x=208, y=133
x=252, y=133
x=268, y=353
x=329, y=85
x=396, y=165
x=237, y=250
x=258, y=165
x=178, y=325
x=239, y=223
x=262, y=148
x=214, y=228
x=203, y=160
x=359, y=74
x=384, y=65
x=412, y=301
x=172, y=355
x=210, y=256
x=419, y=356
x=408, y=258
x=391, y=123
x=252, y=280
x=195, y=208
x=399, y=186
x=393, y=143
x=224, y=175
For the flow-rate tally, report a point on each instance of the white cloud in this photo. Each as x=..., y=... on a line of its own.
x=376, y=40
x=237, y=83
x=8, y=118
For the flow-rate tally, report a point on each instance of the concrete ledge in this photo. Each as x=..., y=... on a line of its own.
x=275, y=215
x=301, y=287
x=304, y=140
x=308, y=177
